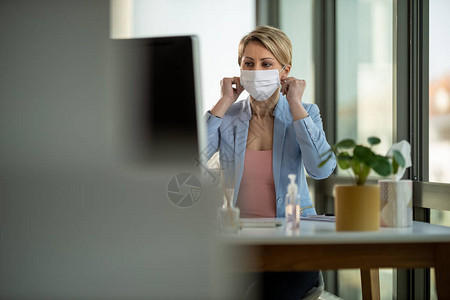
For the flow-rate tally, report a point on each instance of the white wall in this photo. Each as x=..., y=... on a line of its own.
x=218, y=24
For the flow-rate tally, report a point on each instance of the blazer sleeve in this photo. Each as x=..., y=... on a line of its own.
x=213, y=133
x=312, y=141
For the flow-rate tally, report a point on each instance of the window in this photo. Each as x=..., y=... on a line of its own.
x=364, y=75
x=364, y=70
x=439, y=91
x=296, y=22
x=439, y=106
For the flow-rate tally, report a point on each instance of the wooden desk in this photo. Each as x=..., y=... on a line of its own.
x=318, y=246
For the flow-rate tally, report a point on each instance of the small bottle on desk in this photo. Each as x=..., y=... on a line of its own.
x=292, y=205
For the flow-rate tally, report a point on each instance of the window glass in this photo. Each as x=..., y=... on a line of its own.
x=349, y=284
x=439, y=60
x=439, y=106
x=296, y=21
x=364, y=66
x=440, y=217
x=364, y=70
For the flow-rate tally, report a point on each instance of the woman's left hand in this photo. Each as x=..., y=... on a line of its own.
x=293, y=88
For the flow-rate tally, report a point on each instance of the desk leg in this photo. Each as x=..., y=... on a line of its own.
x=442, y=270
x=370, y=283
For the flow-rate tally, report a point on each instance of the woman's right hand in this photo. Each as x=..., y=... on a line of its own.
x=229, y=95
x=230, y=92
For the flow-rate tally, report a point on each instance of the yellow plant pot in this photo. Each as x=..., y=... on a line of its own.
x=357, y=208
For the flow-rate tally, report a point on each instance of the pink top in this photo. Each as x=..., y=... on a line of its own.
x=256, y=197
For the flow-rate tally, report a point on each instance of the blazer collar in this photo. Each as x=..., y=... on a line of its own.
x=281, y=111
x=246, y=110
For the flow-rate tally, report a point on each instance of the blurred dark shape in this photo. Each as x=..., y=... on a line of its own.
x=155, y=80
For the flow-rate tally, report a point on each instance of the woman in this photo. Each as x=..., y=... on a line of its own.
x=267, y=136
x=270, y=134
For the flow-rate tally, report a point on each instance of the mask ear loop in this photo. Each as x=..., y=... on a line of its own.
x=280, y=72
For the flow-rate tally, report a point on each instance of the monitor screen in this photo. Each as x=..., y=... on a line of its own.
x=157, y=96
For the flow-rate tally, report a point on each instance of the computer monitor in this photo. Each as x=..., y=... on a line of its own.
x=158, y=97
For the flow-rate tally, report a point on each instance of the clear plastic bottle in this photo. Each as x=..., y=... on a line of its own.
x=228, y=215
x=292, y=205
x=228, y=219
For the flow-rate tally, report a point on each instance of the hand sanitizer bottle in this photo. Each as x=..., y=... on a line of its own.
x=292, y=204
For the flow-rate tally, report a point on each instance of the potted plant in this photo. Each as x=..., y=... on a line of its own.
x=357, y=207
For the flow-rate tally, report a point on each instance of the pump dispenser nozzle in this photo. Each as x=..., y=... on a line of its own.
x=292, y=187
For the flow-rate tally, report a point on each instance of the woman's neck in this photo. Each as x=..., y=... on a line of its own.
x=263, y=109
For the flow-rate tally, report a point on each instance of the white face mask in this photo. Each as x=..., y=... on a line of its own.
x=260, y=84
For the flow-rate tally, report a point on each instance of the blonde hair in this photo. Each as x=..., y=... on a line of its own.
x=275, y=40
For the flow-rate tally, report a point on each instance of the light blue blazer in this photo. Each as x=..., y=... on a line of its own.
x=296, y=146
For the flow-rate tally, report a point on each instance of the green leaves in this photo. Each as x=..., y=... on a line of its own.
x=364, y=154
x=346, y=144
x=344, y=160
x=361, y=159
x=373, y=140
x=381, y=165
x=394, y=167
x=398, y=158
